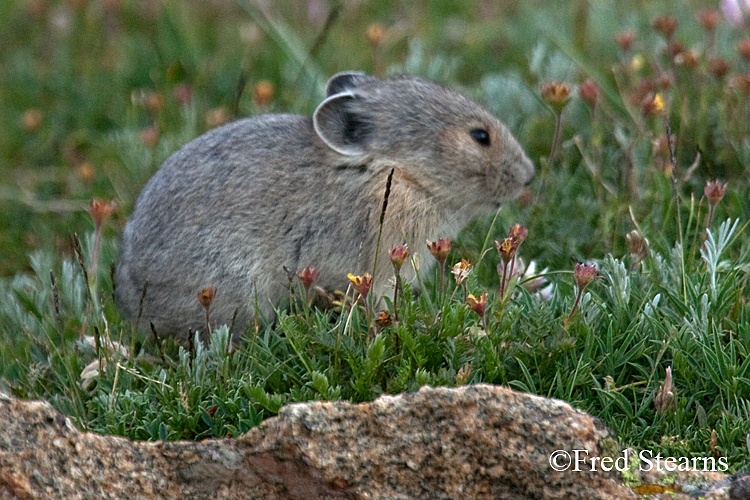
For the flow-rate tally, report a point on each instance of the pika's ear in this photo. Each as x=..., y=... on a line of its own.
x=341, y=125
x=346, y=81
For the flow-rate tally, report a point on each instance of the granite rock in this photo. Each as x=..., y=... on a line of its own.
x=472, y=442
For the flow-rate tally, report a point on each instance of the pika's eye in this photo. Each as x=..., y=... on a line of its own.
x=481, y=136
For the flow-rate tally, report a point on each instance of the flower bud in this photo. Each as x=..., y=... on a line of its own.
x=398, y=256
x=31, y=120
x=718, y=67
x=741, y=83
x=206, y=296
x=664, y=398
x=590, y=92
x=101, y=210
x=637, y=244
x=383, y=319
x=743, y=49
x=150, y=136
x=556, y=94
x=584, y=274
x=714, y=192
x=709, y=18
x=625, y=40
x=713, y=444
x=183, y=94
x=665, y=80
x=375, y=34
x=462, y=376
x=689, y=58
x=439, y=249
x=307, y=276
x=263, y=93
x=85, y=172
x=517, y=234
x=666, y=25
x=674, y=48
x=154, y=102
x=216, y=117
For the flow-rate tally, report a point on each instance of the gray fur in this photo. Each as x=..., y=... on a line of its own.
x=237, y=205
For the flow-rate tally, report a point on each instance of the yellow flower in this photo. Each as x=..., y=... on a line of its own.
x=461, y=271
x=506, y=249
x=361, y=283
x=653, y=105
x=478, y=305
x=659, y=102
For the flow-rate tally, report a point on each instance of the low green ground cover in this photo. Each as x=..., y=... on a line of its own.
x=629, y=112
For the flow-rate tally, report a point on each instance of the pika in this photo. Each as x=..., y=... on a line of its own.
x=241, y=206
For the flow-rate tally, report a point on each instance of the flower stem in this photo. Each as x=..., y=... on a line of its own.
x=368, y=318
x=208, y=331
x=94, y=263
x=395, y=296
x=442, y=279
x=710, y=217
x=556, y=141
x=502, y=283
x=575, y=305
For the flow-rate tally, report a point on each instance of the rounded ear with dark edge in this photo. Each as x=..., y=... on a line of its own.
x=341, y=126
x=345, y=81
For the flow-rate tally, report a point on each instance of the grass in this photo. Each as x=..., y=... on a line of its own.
x=94, y=96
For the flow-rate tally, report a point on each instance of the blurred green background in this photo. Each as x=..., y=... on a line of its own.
x=95, y=94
